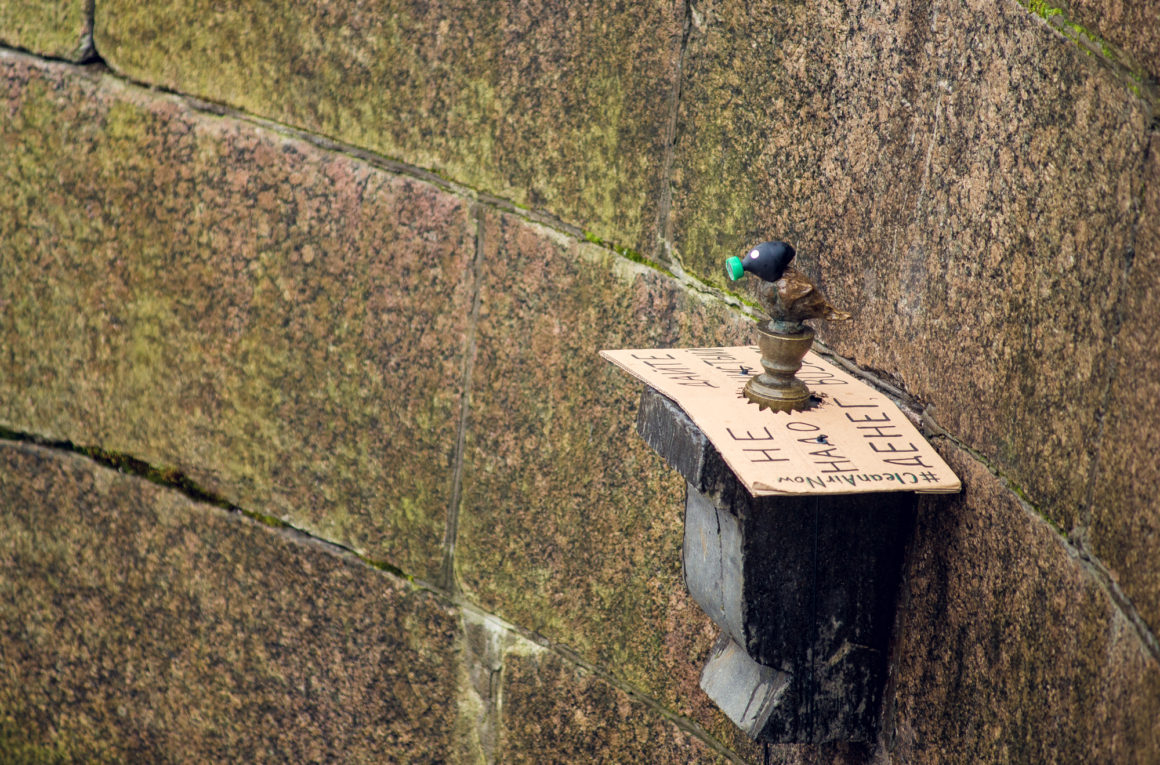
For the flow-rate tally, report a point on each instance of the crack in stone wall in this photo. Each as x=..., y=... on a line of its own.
x=488, y=639
x=447, y=577
x=1129, y=71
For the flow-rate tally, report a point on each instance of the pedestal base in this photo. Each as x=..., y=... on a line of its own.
x=792, y=397
x=776, y=388
x=802, y=587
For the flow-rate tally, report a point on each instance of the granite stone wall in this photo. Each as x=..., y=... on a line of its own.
x=305, y=450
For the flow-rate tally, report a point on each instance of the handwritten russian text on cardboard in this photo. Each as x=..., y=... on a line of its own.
x=855, y=440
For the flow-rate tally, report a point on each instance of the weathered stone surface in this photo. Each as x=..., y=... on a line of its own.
x=958, y=176
x=1132, y=26
x=752, y=129
x=139, y=626
x=1008, y=649
x=570, y=525
x=60, y=28
x=1125, y=513
x=555, y=711
x=559, y=106
x=283, y=325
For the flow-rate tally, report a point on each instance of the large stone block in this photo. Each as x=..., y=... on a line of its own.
x=283, y=325
x=1008, y=648
x=139, y=626
x=957, y=176
x=58, y=28
x=1125, y=512
x=570, y=525
x=560, y=106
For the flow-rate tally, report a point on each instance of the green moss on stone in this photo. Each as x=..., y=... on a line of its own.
x=1093, y=44
x=789, y=130
x=627, y=253
x=253, y=312
x=146, y=627
x=17, y=745
x=561, y=108
x=570, y=524
x=57, y=28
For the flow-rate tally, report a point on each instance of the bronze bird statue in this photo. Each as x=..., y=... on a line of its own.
x=790, y=298
x=786, y=294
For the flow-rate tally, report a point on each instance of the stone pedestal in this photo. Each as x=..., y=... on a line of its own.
x=803, y=589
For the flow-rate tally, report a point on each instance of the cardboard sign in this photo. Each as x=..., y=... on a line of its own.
x=855, y=440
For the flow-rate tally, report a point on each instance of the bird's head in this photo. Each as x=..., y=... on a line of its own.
x=766, y=261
